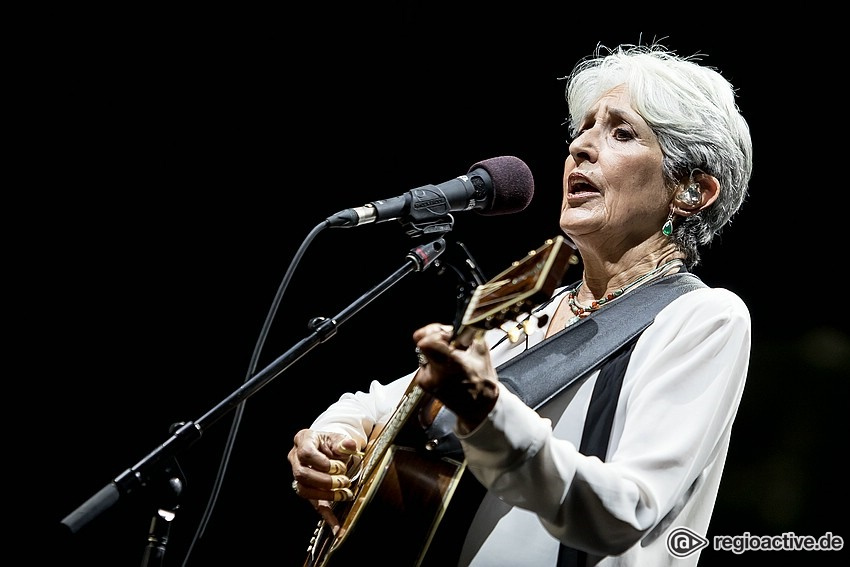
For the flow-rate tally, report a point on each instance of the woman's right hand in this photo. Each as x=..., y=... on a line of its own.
x=319, y=462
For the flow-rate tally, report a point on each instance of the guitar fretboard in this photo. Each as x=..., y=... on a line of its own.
x=408, y=403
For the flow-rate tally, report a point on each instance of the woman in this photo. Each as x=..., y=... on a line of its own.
x=659, y=162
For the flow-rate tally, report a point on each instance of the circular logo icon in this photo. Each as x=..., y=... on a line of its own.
x=682, y=542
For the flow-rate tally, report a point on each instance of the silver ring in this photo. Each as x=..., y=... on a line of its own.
x=295, y=486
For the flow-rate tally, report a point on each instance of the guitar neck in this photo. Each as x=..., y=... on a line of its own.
x=382, y=442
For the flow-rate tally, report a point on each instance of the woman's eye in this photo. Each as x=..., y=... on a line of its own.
x=623, y=134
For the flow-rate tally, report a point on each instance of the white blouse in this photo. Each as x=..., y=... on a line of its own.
x=669, y=440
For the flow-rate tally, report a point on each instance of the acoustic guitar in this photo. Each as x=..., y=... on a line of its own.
x=404, y=481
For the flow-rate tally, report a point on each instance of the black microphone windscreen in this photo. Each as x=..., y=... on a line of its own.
x=513, y=184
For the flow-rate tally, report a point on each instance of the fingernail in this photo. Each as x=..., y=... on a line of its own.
x=345, y=451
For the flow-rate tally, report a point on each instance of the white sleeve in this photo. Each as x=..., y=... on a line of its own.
x=356, y=413
x=680, y=394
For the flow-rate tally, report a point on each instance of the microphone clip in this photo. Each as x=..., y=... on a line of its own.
x=430, y=227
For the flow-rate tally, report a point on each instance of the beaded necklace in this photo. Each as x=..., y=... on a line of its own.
x=580, y=311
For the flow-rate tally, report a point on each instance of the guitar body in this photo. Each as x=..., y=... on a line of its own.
x=401, y=515
x=411, y=476
x=399, y=505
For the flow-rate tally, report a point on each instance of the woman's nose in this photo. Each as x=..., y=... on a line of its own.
x=583, y=148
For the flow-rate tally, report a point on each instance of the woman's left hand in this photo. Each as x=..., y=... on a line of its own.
x=462, y=377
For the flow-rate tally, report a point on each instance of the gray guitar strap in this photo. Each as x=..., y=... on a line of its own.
x=544, y=370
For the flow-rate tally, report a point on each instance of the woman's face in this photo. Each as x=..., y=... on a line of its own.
x=614, y=192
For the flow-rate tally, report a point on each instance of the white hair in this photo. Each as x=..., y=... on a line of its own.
x=691, y=108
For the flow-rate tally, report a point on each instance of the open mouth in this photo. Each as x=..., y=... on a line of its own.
x=579, y=185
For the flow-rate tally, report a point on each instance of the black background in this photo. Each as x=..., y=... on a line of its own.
x=172, y=166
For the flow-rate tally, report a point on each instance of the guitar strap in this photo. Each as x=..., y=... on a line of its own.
x=544, y=370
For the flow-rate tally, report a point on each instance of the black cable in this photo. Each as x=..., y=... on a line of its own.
x=252, y=367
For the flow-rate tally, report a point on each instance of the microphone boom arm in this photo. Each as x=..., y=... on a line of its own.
x=157, y=461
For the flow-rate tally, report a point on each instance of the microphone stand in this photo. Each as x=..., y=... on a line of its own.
x=160, y=465
x=165, y=512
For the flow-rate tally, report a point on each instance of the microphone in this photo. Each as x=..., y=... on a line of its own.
x=495, y=186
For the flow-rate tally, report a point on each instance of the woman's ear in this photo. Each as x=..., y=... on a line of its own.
x=698, y=192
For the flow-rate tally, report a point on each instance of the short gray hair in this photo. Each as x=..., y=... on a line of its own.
x=692, y=109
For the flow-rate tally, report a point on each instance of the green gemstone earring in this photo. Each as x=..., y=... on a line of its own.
x=667, y=229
